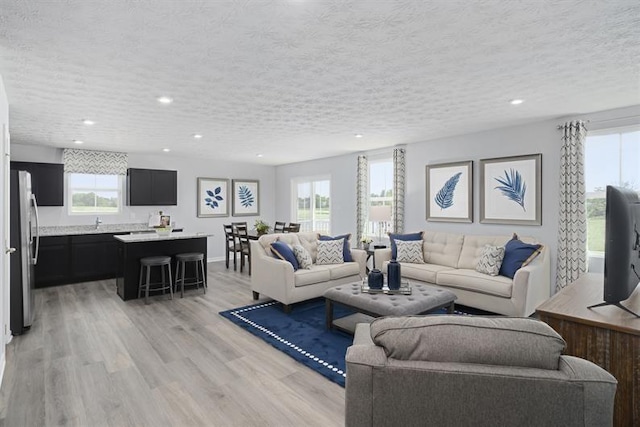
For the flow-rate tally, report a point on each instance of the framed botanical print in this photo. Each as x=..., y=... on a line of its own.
x=450, y=192
x=213, y=197
x=511, y=190
x=246, y=197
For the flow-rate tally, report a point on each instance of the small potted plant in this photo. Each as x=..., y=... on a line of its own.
x=366, y=241
x=262, y=227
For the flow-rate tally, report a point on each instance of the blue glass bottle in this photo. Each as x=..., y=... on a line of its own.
x=393, y=275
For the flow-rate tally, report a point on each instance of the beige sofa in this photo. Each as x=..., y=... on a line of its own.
x=276, y=279
x=450, y=262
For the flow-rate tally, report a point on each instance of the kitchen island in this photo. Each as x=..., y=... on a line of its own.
x=132, y=247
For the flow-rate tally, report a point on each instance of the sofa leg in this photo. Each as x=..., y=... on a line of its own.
x=256, y=295
x=286, y=308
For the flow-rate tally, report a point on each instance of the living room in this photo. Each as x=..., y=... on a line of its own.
x=463, y=124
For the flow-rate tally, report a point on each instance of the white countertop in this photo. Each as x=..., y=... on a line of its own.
x=151, y=237
x=66, y=230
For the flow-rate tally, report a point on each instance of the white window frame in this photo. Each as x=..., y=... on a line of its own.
x=371, y=229
x=70, y=190
x=294, y=201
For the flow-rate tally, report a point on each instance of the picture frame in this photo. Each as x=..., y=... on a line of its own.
x=246, y=197
x=213, y=197
x=511, y=190
x=449, y=192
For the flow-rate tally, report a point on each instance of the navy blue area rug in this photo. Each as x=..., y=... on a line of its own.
x=300, y=334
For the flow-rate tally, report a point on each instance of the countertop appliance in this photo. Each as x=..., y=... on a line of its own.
x=26, y=240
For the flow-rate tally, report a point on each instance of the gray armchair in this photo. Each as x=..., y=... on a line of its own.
x=471, y=371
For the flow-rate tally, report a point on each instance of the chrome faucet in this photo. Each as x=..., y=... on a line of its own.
x=98, y=222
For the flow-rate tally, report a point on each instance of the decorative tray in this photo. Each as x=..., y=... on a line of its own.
x=405, y=289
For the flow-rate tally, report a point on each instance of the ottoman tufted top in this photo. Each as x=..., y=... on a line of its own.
x=422, y=299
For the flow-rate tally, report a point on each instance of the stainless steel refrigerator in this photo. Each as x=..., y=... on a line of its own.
x=26, y=241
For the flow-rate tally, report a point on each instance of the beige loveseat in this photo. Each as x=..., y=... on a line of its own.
x=450, y=262
x=275, y=278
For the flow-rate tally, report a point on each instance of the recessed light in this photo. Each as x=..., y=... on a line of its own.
x=76, y=141
x=358, y=135
x=166, y=150
x=197, y=136
x=259, y=155
x=165, y=100
x=516, y=101
x=88, y=122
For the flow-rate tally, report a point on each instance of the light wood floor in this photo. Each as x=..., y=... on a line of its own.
x=91, y=359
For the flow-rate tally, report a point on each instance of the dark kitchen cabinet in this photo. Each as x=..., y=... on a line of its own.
x=47, y=181
x=152, y=187
x=54, y=261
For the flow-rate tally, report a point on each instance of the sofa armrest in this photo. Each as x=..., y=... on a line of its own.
x=270, y=276
x=380, y=256
x=360, y=256
x=532, y=284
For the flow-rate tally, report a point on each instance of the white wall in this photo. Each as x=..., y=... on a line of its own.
x=4, y=231
x=541, y=137
x=185, y=213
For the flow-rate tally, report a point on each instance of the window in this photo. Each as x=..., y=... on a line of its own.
x=612, y=157
x=380, y=197
x=94, y=194
x=312, y=204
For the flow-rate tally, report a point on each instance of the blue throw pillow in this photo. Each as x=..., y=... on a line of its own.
x=516, y=255
x=283, y=251
x=346, y=250
x=404, y=237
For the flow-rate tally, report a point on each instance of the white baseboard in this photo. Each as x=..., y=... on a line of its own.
x=216, y=259
x=3, y=362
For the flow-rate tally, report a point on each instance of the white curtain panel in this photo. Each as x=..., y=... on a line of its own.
x=362, y=197
x=94, y=162
x=572, y=225
x=397, y=215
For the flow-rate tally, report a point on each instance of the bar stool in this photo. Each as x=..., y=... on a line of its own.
x=199, y=279
x=148, y=263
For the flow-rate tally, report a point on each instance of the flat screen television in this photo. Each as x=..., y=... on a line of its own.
x=621, y=247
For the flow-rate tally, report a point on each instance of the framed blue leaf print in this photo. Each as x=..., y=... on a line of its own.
x=450, y=192
x=511, y=190
x=213, y=197
x=246, y=197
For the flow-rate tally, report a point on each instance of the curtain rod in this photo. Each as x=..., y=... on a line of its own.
x=605, y=120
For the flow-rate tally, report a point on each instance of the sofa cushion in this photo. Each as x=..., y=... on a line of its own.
x=490, y=260
x=409, y=251
x=316, y=274
x=303, y=256
x=442, y=248
x=330, y=252
x=473, y=247
x=346, y=250
x=393, y=237
x=477, y=282
x=499, y=341
x=309, y=240
x=283, y=251
x=267, y=239
x=517, y=254
x=338, y=271
x=422, y=272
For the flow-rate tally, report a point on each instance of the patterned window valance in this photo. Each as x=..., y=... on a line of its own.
x=96, y=162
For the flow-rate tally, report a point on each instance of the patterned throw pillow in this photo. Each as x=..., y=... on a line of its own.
x=409, y=251
x=490, y=260
x=303, y=257
x=330, y=252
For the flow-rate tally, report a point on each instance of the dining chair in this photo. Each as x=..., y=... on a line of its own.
x=293, y=227
x=230, y=245
x=242, y=236
x=279, y=227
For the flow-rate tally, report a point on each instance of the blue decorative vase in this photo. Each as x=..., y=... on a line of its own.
x=393, y=275
x=375, y=279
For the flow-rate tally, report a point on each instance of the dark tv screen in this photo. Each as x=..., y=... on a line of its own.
x=622, y=244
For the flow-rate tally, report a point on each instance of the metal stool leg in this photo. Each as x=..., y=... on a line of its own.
x=148, y=284
x=204, y=277
x=170, y=282
x=140, y=281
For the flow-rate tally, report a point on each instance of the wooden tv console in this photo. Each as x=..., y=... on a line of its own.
x=607, y=336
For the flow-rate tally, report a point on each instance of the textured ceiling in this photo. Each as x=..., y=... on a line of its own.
x=296, y=79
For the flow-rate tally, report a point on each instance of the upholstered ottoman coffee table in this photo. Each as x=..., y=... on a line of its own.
x=422, y=300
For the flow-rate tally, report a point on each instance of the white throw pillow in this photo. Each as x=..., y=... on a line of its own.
x=303, y=256
x=330, y=252
x=490, y=260
x=409, y=251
